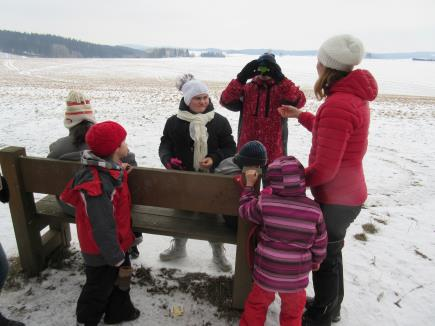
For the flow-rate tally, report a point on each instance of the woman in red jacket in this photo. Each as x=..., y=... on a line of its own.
x=335, y=171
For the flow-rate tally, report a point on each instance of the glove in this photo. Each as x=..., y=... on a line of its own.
x=249, y=71
x=174, y=164
x=275, y=72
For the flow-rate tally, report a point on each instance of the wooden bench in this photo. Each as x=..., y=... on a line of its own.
x=166, y=202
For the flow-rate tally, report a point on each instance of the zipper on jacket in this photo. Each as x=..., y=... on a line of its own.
x=266, y=112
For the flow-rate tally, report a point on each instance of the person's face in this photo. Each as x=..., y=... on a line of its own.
x=199, y=103
x=320, y=68
x=122, y=150
x=264, y=77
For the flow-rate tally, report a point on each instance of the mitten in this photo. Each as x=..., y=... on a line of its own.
x=275, y=72
x=174, y=164
x=249, y=71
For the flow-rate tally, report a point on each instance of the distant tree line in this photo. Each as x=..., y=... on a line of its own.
x=213, y=54
x=51, y=46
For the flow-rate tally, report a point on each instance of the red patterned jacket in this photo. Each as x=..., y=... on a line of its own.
x=339, y=141
x=259, y=119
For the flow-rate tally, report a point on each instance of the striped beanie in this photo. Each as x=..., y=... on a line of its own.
x=286, y=176
x=78, y=108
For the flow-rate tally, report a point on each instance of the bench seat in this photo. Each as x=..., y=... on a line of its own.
x=155, y=220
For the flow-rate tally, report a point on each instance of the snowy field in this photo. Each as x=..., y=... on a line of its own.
x=389, y=278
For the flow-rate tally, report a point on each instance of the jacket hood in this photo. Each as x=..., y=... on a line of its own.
x=286, y=177
x=184, y=107
x=109, y=167
x=358, y=82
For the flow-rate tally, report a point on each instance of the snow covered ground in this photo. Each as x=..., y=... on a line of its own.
x=388, y=278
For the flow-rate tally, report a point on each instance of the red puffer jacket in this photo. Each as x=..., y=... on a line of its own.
x=339, y=141
x=259, y=119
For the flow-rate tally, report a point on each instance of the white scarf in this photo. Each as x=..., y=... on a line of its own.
x=198, y=133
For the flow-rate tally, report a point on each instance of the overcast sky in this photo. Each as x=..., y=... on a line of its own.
x=382, y=25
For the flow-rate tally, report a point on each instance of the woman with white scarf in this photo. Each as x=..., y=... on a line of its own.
x=195, y=139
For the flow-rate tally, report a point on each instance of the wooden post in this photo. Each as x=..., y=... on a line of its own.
x=242, y=274
x=22, y=207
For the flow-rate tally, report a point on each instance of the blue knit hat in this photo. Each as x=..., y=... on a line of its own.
x=253, y=153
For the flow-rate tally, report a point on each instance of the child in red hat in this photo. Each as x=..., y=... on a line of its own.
x=100, y=195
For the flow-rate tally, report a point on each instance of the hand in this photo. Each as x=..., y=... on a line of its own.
x=315, y=267
x=174, y=164
x=127, y=167
x=275, y=72
x=251, y=177
x=249, y=71
x=206, y=163
x=288, y=111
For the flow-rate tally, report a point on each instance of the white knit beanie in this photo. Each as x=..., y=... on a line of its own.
x=190, y=87
x=78, y=108
x=341, y=52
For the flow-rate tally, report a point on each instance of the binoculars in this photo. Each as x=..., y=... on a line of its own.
x=263, y=70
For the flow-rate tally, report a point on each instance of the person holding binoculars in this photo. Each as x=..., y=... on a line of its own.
x=258, y=101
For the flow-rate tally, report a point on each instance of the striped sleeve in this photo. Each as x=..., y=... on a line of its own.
x=249, y=208
x=318, y=250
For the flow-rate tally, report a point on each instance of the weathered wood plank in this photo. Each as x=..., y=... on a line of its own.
x=154, y=220
x=200, y=192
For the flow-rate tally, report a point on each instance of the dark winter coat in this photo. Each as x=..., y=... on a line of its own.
x=259, y=119
x=339, y=141
x=102, y=202
x=65, y=149
x=176, y=140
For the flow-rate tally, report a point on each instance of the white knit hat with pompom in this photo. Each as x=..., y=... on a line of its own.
x=78, y=108
x=190, y=87
x=341, y=52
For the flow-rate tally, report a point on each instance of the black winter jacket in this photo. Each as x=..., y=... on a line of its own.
x=176, y=141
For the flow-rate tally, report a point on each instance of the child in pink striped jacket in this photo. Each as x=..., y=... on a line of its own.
x=291, y=241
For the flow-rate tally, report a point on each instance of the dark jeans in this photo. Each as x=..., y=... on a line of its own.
x=4, y=267
x=96, y=293
x=328, y=280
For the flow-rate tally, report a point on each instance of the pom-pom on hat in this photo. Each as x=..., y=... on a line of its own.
x=105, y=137
x=341, y=52
x=78, y=108
x=253, y=153
x=190, y=87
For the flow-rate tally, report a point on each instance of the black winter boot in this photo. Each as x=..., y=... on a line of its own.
x=336, y=316
x=120, y=308
x=7, y=322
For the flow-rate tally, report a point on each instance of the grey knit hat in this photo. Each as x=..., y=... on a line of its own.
x=253, y=153
x=341, y=52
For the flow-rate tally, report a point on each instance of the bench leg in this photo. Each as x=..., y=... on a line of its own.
x=242, y=275
x=22, y=207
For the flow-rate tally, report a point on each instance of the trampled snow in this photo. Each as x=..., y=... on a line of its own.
x=388, y=279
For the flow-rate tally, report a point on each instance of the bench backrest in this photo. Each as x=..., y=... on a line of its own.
x=199, y=192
